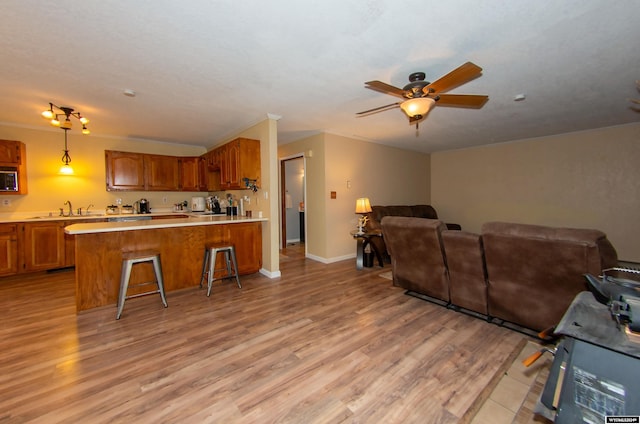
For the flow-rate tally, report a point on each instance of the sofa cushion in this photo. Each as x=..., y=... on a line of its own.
x=467, y=273
x=417, y=256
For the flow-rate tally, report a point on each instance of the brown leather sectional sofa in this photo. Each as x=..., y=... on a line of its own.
x=518, y=273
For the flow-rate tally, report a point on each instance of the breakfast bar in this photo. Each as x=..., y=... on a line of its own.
x=99, y=248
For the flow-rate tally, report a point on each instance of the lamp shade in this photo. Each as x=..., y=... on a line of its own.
x=363, y=205
x=417, y=106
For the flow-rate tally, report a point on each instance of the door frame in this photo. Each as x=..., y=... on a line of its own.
x=283, y=191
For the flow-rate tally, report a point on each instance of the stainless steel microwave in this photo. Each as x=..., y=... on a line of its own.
x=8, y=180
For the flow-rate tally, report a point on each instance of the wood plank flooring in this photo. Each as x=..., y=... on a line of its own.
x=322, y=344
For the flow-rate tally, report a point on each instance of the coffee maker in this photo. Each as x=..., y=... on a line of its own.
x=143, y=206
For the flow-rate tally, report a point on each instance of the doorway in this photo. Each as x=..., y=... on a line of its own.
x=292, y=201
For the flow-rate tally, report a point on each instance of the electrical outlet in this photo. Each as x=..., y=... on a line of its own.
x=164, y=199
x=6, y=202
x=118, y=201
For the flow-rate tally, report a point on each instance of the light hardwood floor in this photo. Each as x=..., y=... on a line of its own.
x=322, y=344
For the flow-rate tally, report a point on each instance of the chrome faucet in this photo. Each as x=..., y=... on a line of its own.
x=87, y=209
x=68, y=202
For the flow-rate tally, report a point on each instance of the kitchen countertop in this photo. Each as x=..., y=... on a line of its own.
x=192, y=219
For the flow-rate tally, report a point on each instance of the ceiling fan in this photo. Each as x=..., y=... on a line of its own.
x=419, y=96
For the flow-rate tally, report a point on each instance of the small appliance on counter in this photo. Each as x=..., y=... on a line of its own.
x=126, y=210
x=215, y=206
x=197, y=204
x=112, y=210
x=142, y=206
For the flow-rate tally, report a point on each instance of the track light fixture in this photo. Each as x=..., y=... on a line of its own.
x=55, y=114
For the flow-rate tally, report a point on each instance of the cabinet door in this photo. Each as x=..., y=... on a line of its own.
x=8, y=249
x=44, y=245
x=125, y=170
x=10, y=152
x=241, y=159
x=247, y=238
x=162, y=172
x=249, y=161
x=190, y=173
x=233, y=165
x=212, y=160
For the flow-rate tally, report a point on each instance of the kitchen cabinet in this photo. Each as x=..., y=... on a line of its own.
x=130, y=171
x=44, y=245
x=125, y=171
x=239, y=159
x=37, y=246
x=193, y=174
x=162, y=173
x=8, y=249
x=212, y=159
x=11, y=152
x=247, y=238
x=223, y=168
x=13, y=157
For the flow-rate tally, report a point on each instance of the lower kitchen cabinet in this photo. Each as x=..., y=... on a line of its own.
x=36, y=246
x=44, y=245
x=8, y=249
x=247, y=238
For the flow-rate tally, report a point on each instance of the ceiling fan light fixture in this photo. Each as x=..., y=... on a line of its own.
x=417, y=106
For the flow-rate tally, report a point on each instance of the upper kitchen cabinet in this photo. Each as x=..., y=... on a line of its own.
x=239, y=159
x=129, y=171
x=193, y=174
x=125, y=170
x=11, y=152
x=13, y=167
x=162, y=173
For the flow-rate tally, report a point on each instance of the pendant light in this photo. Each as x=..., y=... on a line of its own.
x=54, y=115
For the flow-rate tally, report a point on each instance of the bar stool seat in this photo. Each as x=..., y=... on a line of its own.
x=132, y=258
x=211, y=251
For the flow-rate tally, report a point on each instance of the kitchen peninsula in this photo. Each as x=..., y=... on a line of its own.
x=180, y=241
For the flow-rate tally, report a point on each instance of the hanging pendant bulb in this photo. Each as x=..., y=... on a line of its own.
x=66, y=169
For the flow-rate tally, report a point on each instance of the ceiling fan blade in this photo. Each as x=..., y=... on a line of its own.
x=462, y=100
x=455, y=78
x=385, y=88
x=379, y=109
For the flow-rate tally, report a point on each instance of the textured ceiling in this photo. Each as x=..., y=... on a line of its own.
x=204, y=70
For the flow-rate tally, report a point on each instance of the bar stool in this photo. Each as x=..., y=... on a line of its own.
x=211, y=251
x=128, y=260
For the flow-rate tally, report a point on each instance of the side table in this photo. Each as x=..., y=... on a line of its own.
x=362, y=241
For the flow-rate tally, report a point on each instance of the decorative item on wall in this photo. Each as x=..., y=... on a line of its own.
x=363, y=207
x=251, y=184
x=54, y=118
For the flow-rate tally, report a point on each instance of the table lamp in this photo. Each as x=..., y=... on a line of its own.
x=363, y=207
